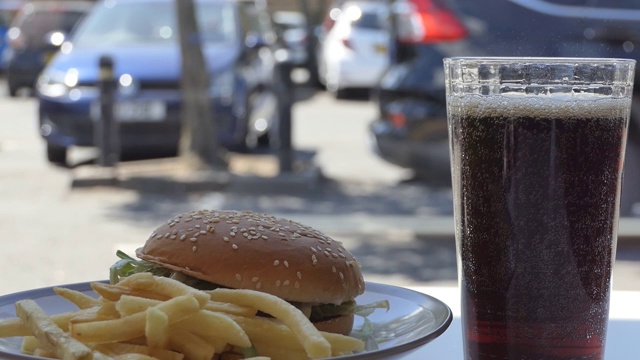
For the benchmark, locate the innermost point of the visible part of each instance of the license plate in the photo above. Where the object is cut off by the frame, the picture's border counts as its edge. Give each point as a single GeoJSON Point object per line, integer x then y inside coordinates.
{"type": "Point", "coordinates": [139, 111]}
{"type": "Point", "coordinates": [134, 111]}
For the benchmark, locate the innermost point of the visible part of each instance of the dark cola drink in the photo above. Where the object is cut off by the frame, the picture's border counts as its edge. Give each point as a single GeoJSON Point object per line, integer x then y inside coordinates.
{"type": "Point", "coordinates": [537, 183]}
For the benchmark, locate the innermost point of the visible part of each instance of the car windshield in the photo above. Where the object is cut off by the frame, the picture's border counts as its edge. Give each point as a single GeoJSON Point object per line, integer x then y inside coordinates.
{"type": "Point", "coordinates": [153, 22]}
{"type": "Point", "coordinates": [36, 24]}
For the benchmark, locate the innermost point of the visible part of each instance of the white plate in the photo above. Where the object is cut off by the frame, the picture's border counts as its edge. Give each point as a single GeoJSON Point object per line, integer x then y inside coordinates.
{"type": "Point", "coordinates": [413, 319]}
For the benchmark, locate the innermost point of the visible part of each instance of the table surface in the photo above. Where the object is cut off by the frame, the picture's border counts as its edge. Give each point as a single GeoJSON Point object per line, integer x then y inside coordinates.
{"type": "Point", "coordinates": [623, 334]}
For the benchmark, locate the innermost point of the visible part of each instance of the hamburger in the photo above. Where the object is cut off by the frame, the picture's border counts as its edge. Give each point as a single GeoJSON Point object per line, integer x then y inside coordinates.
{"type": "Point", "coordinates": [207, 249]}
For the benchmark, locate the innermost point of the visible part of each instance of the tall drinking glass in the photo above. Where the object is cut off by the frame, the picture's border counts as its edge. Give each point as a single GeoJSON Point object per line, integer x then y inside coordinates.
{"type": "Point", "coordinates": [537, 148]}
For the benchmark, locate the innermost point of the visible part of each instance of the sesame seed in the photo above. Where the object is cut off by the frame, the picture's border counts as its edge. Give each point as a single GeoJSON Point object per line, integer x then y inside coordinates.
{"type": "Point", "coordinates": [276, 263]}
{"type": "Point", "coordinates": [158, 237]}
{"type": "Point", "coordinates": [238, 277]}
{"type": "Point", "coordinates": [286, 264]}
{"type": "Point", "coordinates": [326, 253]}
{"type": "Point", "coordinates": [234, 246]}
{"type": "Point", "coordinates": [254, 279]}
{"type": "Point", "coordinates": [226, 239]}
{"type": "Point", "coordinates": [183, 237]}
{"type": "Point", "coordinates": [232, 234]}
{"type": "Point", "coordinates": [314, 250]}
{"type": "Point", "coordinates": [172, 237]}
{"type": "Point", "coordinates": [297, 285]}
{"type": "Point", "coordinates": [202, 232]}
{"type": "Point", "coordinates": [341, 275]}
{"type": "Point", "coordinates": [194, 249]}
{"type": "Point", "coordinates": [197, 226]}
{"type": "Point", "coordinates": [299, 275]}
{"type": "Point", "coordinates": [258, 285]}
{"type": "Point", "coordinates": [334, 255]}
{"type": "Point", "coordinates": [265, 237]}
{"type": "Point", "coordinates": [286, 283]}
{"type": "Point", "coordinates": [277, 283]}
{"type": "Point", "coordinates": [193, 239]}
{"type": "Point", "coordinates": [333, 269]}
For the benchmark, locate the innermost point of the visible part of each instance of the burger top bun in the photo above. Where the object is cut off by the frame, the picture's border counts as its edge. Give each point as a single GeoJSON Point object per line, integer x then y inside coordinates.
{"type": "Point", "coordinates": [247, 250]}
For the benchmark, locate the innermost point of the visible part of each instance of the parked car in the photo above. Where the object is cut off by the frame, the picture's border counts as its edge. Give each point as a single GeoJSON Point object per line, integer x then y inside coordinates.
{"type": "Point", "coordinates": [354, 51]}
{"type": "Point", "coordinates": [411, 130]}
{"type": "Point", "coordinates": [292, 28]}
{"type": "Point", "coordinates": [8, 11]}
{"type": "Point", "coordinates": [141, 38]}
{"type": "Point", "coordinates": [34, 36]}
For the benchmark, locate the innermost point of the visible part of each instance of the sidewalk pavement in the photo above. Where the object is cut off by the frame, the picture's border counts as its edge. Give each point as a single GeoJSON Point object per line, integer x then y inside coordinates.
{"type": "Point", "coordinates": [68, 228]}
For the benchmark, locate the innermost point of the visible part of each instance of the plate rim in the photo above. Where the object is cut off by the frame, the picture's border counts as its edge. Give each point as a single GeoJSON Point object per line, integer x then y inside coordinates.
{"type": "Point", "coordinates": [443, 320]}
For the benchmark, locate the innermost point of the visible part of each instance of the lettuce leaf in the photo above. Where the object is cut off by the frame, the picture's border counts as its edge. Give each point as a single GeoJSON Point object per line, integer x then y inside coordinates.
{"type": "Point", "coordinates": [128, 266]}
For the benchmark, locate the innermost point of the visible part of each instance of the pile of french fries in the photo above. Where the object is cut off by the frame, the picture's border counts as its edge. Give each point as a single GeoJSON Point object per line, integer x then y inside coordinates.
{"type": "Point", "coordinates": [149, 317]}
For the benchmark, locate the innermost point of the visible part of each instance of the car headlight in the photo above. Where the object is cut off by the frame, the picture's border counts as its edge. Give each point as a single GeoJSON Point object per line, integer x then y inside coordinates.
{"type": "Point", "coordinates": [221, 85]}
{"type": "Point", "coordinates": [59, 84]}
{"type": "Point", "coordinates": [52, 84]}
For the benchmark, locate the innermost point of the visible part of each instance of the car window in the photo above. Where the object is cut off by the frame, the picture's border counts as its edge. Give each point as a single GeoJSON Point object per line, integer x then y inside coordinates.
{"type": "Point", "coordinates": [368, 20]}
{"type": "Point", "coordinates": [34, 25]}
{"type": "Point", "coordinates": [138, 23]}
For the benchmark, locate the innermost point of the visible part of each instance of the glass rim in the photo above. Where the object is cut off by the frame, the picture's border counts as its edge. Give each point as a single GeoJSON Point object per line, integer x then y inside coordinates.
{"type": "Point", "coordinates": [534, 59]}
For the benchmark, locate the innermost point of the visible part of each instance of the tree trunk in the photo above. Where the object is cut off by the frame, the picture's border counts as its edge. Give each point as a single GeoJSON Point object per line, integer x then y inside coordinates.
{"type": "Point", "coordinates": [199, 134]}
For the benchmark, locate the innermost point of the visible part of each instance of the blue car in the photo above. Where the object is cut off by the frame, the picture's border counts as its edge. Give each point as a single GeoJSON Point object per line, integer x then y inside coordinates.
{"type": "Point", "coordinates": [141, 36]}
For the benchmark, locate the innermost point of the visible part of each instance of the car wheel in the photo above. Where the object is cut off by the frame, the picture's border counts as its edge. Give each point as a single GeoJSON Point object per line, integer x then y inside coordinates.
{"type": "Point", "coordinates": [57, 154]}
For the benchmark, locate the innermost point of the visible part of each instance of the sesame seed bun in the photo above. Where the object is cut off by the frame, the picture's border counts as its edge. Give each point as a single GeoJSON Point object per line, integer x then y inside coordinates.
{"type": "Point", "coordinates": [247, 250]}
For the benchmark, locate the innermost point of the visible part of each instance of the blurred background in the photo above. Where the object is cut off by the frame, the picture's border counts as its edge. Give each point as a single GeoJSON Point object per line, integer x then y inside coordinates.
{"type": "Point", "coordinates": [326, 112]}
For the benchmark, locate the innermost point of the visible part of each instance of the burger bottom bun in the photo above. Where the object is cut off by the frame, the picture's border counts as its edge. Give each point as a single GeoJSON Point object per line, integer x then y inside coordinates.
{"type": "Point", "coordinates": [342, 324]}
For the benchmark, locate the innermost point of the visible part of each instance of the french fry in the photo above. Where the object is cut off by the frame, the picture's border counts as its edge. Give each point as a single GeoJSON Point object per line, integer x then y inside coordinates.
{"type": "Point", "coordinates": [133, 326]}
{"type": "Point", "coordinates": [156, 328]}
{"type": "Point", "coordinates": [129, 305]}
{"type": "Point", "coordinates": [13, 327]}
{"type": "Point", "coordinates": [49, 334]}
{"type": "Point", "coordinates": [192, 346]}
{"type": "Point", "coordinates": [313, 342]}
{"type": "Point", "coordinates": [81, 300]}
{"type": "Point", "coordinates": [17, 327]}
{"type": "Point", "coordinates": [211, 326]}
{"type": "Point", "coordinates": [134, 357]}
{"type": "Point", "coordinates": [116, 349]}
{"type": "Point", "coordinates": [114, 292]}
{"type": "Point", "coordinates": [30, 344]}
{"type": "Point", "coordinates": [277, 352]}
{"type": "Point", "coordinates": [40, 352]}
{"type": "Point", "coordinates": [165, 286]}
{"type": "Point", "coordinates": [227, 308]}
{"type": "Point", "coordinates": [152, 317]}
{"type": "Point", "coordinates": [342, 344]}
